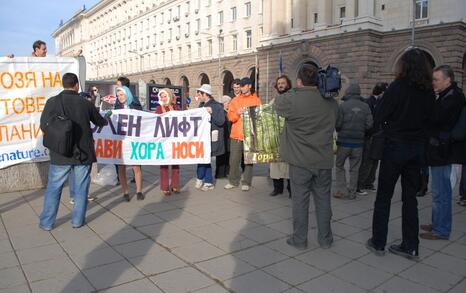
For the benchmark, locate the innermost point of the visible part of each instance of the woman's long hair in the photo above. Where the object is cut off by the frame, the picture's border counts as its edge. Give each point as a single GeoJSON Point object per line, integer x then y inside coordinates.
{"type": "Point", "coordinates": [414, 68]}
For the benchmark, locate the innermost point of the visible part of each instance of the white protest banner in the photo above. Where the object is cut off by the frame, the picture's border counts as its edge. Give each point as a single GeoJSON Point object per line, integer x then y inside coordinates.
{"type": "Point", "coordinates": [135, 137]}
{"type": "Point", "coordinates": [25, 85]}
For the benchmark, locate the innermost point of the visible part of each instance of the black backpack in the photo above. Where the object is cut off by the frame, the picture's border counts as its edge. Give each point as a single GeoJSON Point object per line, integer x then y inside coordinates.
{"type": "Point", "coordinates": [329, 82]}
{"type": "Point", "coordinates": [58, 132]}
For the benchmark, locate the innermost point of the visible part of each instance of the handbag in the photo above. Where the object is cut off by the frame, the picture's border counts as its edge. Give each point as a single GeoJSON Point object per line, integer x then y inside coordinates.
{"type": "Point", "coordinates": [58, 132]}
{"type": "Point", "coordinates": [377, 145]}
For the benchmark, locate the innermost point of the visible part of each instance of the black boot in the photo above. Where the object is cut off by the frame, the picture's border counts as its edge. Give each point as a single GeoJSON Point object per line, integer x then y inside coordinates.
{"type": "Point", "coordinates": [288, 187]}
{"type": "Point", "coordinates": [277, 187]}
{"type": "Point", "coordinates": [424, 183]}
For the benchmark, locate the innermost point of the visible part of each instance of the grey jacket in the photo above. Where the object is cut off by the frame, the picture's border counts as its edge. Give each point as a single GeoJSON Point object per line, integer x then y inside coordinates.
{"type": "Point", "coordinates": [307, 138]}
{"type": "Point", "coordinates": [354, 117]}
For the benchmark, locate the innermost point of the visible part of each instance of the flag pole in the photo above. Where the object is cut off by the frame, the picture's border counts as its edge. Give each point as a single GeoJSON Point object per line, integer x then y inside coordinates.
{"type": "Point", "coordinates": [267, 78]}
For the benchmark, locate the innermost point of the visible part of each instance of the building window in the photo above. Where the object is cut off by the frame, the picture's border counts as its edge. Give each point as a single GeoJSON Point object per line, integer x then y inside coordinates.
{"type": "Point", "coordinates": [316, 18]}
{"type": "Point", "coordinates": [188, 28]}
{"type": "Point", "coordinates": [188, 7]}
{"type": "Point", "coordinates": [209, 21]}
{"type": "Point", "coordinates": [199, 49]}
{"type": "Point", "coordinates": [189, 52]}
{"type": "Point", "coordinates": [208, 3]}
{"type": "Point", "coordinates": [198, 25]}
{"type": "Point", "coordinates": [178, 11]}
{"type": "Point", "coordinates": [248, 9]}
{"type": "Point", "coordinates": [248, 39]}
{"type": "Point", "coordinates": [233, 14]}
{"type": "Point", "coordinates": [342, 12]}
{"type": "Point", "coordinates": [170, 34]}
{"type": "Point", "coordinates": [209, 45]}
{"type": "Point", "coordinates": [220, 18]}
{"type": "Point", "coordinates": [221, 45]}
{"type": "Point", "coordinates": [235, 43]}
{"type": "Point", "coordinates": [179, 55]}
{"type": "Point", "coordinates": [421, 9]}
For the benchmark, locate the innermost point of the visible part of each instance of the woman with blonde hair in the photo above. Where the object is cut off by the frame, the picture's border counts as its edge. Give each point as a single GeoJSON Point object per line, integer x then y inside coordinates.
{"type": "Point", "coordinates": [167, 103]}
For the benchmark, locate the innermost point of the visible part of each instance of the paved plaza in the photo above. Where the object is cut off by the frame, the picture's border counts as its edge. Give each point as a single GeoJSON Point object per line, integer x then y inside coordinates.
{"type": "Point", "coordinates": [219, 241]}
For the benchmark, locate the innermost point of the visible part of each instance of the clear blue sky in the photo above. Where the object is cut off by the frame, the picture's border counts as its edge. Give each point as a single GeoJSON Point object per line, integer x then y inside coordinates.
{"type": "Point", "coordinates": [24, 21]}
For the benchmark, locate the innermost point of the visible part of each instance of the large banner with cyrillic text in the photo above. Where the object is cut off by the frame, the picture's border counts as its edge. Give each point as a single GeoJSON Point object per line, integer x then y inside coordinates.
{"type": "Point", "coordinates": [25, 85]}
{"type": "Point", "coordinates": [135, 137]}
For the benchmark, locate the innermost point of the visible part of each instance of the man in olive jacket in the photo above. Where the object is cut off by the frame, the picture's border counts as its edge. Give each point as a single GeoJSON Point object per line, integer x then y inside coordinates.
{"type": "Point", "coordinates": [78, 167]}
{"type": "Point", "coordinates": [306, 144]}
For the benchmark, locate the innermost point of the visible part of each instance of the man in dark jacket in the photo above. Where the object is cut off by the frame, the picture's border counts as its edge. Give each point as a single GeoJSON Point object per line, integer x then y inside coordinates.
{"type": "Point", "coordinates": [354, 120]}
{"type": "Point", "coordinates": [369, 166]}
{"type": "Point", "coordinates": [81, 112]}
{"type": "Point", "coordinates": [306, 144]}
{"type": "Point", "coordinates": [442, 152]}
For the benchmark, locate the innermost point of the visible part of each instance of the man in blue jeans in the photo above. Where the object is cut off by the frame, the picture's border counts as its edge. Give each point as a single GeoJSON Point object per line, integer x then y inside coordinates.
{"type": "Point", "coordinates": [442, 152]}
{"type": "Point", "coordinates": [77, 167]}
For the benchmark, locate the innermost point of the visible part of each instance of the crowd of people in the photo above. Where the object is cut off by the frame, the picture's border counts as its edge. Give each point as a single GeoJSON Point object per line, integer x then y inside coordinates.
{"type": "Point", "coordinates": [408, 127]}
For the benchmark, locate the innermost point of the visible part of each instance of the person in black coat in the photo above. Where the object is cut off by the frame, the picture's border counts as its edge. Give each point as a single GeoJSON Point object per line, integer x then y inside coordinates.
{"type": "Point", "coordinates": [126, 100]}
{"type": "Point", "coordinates": [442, 151]}
{"type": "Point", "coordinates": [403, 115]}
{"type": "Point", "coordinates": [204, 179]}
{"type": "Point", "coordinates": [76, 167]}
{"type": "Point", "coordinates": [222, 161]}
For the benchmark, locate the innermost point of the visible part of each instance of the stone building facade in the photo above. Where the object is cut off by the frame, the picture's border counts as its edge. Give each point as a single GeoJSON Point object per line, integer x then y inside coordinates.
{"type": "Point", "coordinates": [364, 38]}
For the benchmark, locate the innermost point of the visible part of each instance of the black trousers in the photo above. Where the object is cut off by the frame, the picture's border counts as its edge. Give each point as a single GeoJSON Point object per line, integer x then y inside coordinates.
{"type": "Point", "coordinates": [405, 160]}
{"type": "Point", "coordinates": [278, 185]}
{"type": "Point", "coordinates": [222, 165]}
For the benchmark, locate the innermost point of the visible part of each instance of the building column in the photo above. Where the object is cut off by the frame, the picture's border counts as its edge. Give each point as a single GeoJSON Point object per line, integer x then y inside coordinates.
{"type": "Point", "coordinates": [279, 17]}
{"type": "Point", "coordinates": [366, 8]}
{"type": "Point", "coordinates": [267, 18]}
{"type": "Point", "coordinates": [299, 9]}
{"type": "Point", "coordinates": [324, 13]}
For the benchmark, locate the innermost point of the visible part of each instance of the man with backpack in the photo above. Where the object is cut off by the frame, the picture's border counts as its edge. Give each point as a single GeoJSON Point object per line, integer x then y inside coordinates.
{"type": "Point", "coordinates": [71, 150]}
{"type": "Point", "coordinates": [306, 145]}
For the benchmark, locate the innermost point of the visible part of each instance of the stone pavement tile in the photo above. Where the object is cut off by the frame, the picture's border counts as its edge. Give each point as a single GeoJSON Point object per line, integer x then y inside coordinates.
{"type": "Point", "coordinates": [66, 232]}
{"type": "Point", "coordinates": [389, 263]}
{"type": "Point", "coordinates": [358, 221]}
{"type": "Point", "coordinates": [95, 258]}
{"type": "Point", "coordinates": [128, 211]}
{"type": "Point", "coordinates": [198, 252]}
{"type": "Point", "coordinates": [349, 248]}
{"type": "Point", "coordinates": [284, 226]}
{"type": "Point", "coordinates": [235, 245]}
{"type": "Point", "coordinates": [156, 230]}
{"type": "Point", "coordinates": [292, 271]}
{"type": "Point", "coordinates": [455, 250]}
{"type": "Point", "coordinates": [328, 283]}
{"type": "Point", "coordinates": [281, 246]}
{"type": "Point", "coordinates": [237, 224]}
{"type": "Point", "coordinates": [11, 277]}
{"type": "Point", "coordinates": [257, 282]}
{"type": "Point", "coordinates": [460, 288]}
{"type": "Point", "coordinates": [41, 253]}
{"type": "Point", "coordinates": [189, 221]}
{"type": "Point", "coordinates": [76, 283]}
{"type": "Point", "coordinates": [159, 207]}
{"type": "Point", "coordinates": [225, 267]}
{"type": "Point", "coordinates": [156, 263]}
{"type": "Point", "coordinates": [361, 275]}
{"type": "Point", "coordinates": [263, 218]}
{"type": "Point", "coordinates": [447, 263]}
{"type": "Point", "coordinates": [138, 248]}
{"type": "Point", "coordinates": [84, 245]}
{"type": "Point", "coordinates": [212, 289]}
{"type": "Point", "coordinates": [53, 268]}
{"type": "Point", "coordinates": [177, 239]}
{"type": "Point", "coordinates": [431, 277]}
{"type": "Point", "coordinates": [260, 256]}
{"type": "Point", "coordinates": [143, 220]}
{"type": "Point", "coordinates": [112, 274]}
{"type": "Point", "coordinates": [262, 234]}
{"type": "Point", "coordinates": [30, 240]}
{"type": "Point", "coordinates": [293, 290]}
{"type": "Point", "coordinates": [123, 236]}
{"type": "Point", "coordinates": [344, 230]}
{"type": "Point", "coordinates": [5, 246]}
{"type": "Point", "coordinates": [397, 284]}
{"type": "Point", "coordinates": [323, 259]}
{"type": "Point", "coordinates": [283, 212]}
{"type": "Point", "coordinates": [8, 260]}
{"type": "Point", "coordinates": [360, 237]}
{"type": "Point", "coordinates": [17, 289]}
{"type": "Point", "coordinates": [182, 280]}
{"type": "Point", "coordinates": [434, 244]}
{"type": "Point", "coordinates": [139, 286]}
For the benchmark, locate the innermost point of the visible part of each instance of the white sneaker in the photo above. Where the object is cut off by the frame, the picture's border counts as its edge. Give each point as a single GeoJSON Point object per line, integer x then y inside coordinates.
{"type": "Point", "coordinates": [245, 188]}
{"type": "Point", "coordinates": [230, 186]}
{"type": "Point", "coordinates": [207, 187]}
{"type": "Point", "coordinates": [199, 183]}
{"type": "Point", "coordinates": [71, 201]}
{"type": "Point", "coordinates": [91, 198]}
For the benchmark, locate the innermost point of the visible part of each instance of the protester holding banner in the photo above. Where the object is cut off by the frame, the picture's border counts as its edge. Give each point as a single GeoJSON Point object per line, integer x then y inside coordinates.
{"type": "Point", "coordinates": [125, 100]}
{"type": "Point", "coordinates": [204, 179]}
{"type": "Point", "coordinates": [167, 102]}
{"type": "Point", "coordinates": [238, 106]}
{"type": "Point", "coordinates": [221, 162]}
{"type": "Point", "coordinates": [280, 170]}
{"type": "Point", "coordinates": [76, 164]}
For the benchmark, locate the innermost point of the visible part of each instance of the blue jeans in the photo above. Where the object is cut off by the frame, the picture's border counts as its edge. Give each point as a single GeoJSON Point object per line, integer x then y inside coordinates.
{"type": "Point", "coordinates": [441, 200]}
{"type": "Point", "coordinates": [204, 172]}
{"type": "Point", "coordinates": [463, 182]}
{"type": "Point", "coordinates": [79, 176]}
